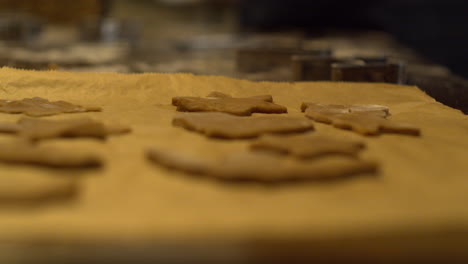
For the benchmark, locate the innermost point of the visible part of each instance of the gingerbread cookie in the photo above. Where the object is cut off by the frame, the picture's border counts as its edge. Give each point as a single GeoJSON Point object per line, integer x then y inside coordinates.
{"type": "Point", "coordinates": [260, 167]}
{"type": "Point", "coordinates": [363, 119]}
{"type": "Point", "coordinates": [219, 102]}
{"type": "Point", "coordinates": [322, 112]}
{"type": "Point", "coordinates": [220, 125]}
{"type": "Point", "coordinates": [219, 95]}
{"type": "Point", "coordinates": [42, 107]}
{"type": "Point", "coordinates": [24, 153]}
{"type": "Point", "coordinates": [176, 160]}
{"type": "Point", "coordinates": [307, 146]}
{"type": "Point", "coordinates": [35, 190]}
{"type": "Point", "coordinates": [9, 128]}
{"type": "Point", "coordinates": [37, 129]}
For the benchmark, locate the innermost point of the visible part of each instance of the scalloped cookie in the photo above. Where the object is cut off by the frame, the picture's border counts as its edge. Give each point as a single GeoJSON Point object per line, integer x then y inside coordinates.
{"type": "Point", "coordinates": [261, 167]}
{"type": "Point", "coordinates": [220, 125]}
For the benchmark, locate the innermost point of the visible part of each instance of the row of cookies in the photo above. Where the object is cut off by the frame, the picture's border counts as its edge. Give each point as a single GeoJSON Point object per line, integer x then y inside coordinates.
{"type": "Point", "coordinates": [288, 155]}
{"type": "Point", "coordinates": [26, 149]}
{"type": "Point", "coordinates": [363, 119]}
{"type": "Point", "coordinates": [31, 131]}
{"type": "Point", "coordinates": [273, 158]}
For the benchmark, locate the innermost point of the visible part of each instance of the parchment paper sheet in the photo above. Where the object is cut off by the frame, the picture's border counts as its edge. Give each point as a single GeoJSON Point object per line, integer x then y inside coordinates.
{"type": "Point", "coordinates": [416, 205]}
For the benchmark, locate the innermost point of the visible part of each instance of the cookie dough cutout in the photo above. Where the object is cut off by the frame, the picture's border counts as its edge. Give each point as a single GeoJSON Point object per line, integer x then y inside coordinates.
{"type": "Point", "coordinates": [221, 95]}
{"type": "Point", "coordinates": [9, 128]}
{"type": "Point", "coordinates": [220, 125]}
{"type": "Point", "coordinates": [323, 112]}
{"type": "Point", "coordinates": [220, 102]}
{"type": "Point", "coordinates": [37, 107]}
{"type": "Point", "coordinates": [363, 119]}
{"type": "Point", "coordinates": [266, 168]}
{"type": "Point", "coordinates": [31, 189]}
{"type": "Point", "coordinates": [189, 163]}
{"type": "Point", "coordinates": [38, 129]}
{"type": "Point", "coordinates": [23, 153]}
{"type": "Point", "coordinates": [308, 146]}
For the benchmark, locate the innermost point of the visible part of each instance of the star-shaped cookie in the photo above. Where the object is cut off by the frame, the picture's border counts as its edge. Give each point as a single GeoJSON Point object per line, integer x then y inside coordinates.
{"type": "Point", "coordinates": [219, 102]}
{"type": "Point", "coordinates": [42, 107]}
{"type": "Point", "coordinates": [363, 119]}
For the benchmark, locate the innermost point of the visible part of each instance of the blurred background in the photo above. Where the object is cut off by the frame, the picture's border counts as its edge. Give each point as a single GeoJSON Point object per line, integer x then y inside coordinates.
{"type": "Point", "coordinates": [415, 42]}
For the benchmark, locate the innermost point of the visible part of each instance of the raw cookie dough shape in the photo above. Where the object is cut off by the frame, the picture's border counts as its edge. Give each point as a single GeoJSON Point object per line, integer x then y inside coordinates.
{"type": "Point", "coordinates": [307, 146]}
{"type": "Point", "coordinates": [37, 129]}
{"type": "Point", "coordinates": [216, 94]}
{"type": "Point", "coordinates": [220, 102]}
{"type": "Point", "coordinates": [220, 125]}
{"type": "Point", "coordinates": [36, 190]}
{"type": "Point", "coordinates": [261, 167]}
{"type": "Point", "coordinates": [29, 154]}
{"type": "Point", "coordinates": [42, 107]}
{"type": "Point", "coordinates": [363, 119]}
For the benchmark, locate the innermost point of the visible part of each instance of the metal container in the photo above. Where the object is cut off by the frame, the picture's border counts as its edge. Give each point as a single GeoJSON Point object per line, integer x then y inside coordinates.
{"type": "Point", "coordinates": [376, 72]}
{"type": "Point", "coordinates": [317, 68]}
{"type": "Point", "coordinates": [268, 58]}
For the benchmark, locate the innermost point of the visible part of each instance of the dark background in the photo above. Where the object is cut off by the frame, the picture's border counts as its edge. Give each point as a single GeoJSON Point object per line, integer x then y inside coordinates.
{"type": "Point", "coordinates": [437, 29]}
